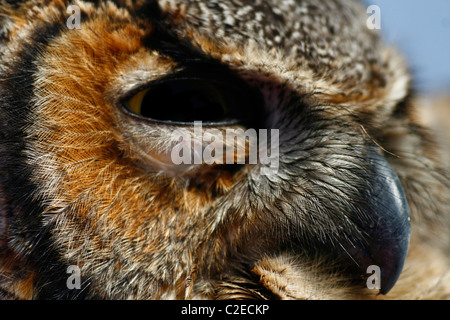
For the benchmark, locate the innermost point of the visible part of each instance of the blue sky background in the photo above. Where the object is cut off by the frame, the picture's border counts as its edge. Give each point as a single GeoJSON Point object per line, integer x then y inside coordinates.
{"type": "Point", "coordinates": [421, 29]}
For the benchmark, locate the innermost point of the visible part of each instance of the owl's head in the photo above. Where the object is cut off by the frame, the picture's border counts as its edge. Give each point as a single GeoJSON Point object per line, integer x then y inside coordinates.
{"type": "Point", "coordinates": [109, 110]}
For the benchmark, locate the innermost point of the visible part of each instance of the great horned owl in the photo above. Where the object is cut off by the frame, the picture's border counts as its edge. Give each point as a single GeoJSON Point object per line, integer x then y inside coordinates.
{"type": "Point", "coordinates": [90, 94]}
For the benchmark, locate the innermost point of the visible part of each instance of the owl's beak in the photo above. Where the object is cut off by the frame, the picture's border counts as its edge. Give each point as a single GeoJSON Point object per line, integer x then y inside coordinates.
{"type": "Point", "coordinates": [386, 224]}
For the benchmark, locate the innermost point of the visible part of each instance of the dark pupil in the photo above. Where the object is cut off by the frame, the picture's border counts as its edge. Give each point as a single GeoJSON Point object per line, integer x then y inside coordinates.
{"type": "Point", "coordinates": [182, 102]}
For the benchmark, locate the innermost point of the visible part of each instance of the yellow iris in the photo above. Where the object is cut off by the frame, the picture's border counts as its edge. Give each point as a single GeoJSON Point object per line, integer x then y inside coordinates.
{"type": "Point", "coordinates": [135, 103]}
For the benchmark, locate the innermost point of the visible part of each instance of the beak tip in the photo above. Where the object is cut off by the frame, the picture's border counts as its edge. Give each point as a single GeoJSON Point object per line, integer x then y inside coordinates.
{"type": "Point", "coordinates": [389, 232]}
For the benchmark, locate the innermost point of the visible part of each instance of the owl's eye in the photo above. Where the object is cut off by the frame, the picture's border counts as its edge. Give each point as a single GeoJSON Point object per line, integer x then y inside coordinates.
{"type": "Point", "coordinates": [188, 100]}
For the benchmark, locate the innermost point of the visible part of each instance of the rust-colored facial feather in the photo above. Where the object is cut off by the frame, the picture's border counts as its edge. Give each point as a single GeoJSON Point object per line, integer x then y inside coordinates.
{"type": "Point", "coordinates": [89, 181]}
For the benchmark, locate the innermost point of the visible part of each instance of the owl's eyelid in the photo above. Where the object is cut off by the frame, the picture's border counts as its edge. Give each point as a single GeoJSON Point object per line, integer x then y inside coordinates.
{"type": "Point", "coordinates": [198, 70]}
{"type": "Point", "coordinates": [225, 81]}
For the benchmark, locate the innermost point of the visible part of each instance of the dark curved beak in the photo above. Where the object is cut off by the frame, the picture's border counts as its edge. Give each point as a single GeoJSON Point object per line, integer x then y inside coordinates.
{"type": "Point", "coordinates": [386, 225]}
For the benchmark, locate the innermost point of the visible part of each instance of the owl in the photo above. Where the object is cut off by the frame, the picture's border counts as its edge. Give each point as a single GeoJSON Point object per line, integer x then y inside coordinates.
{"type": "Point", "coordinates": [101, 199]}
